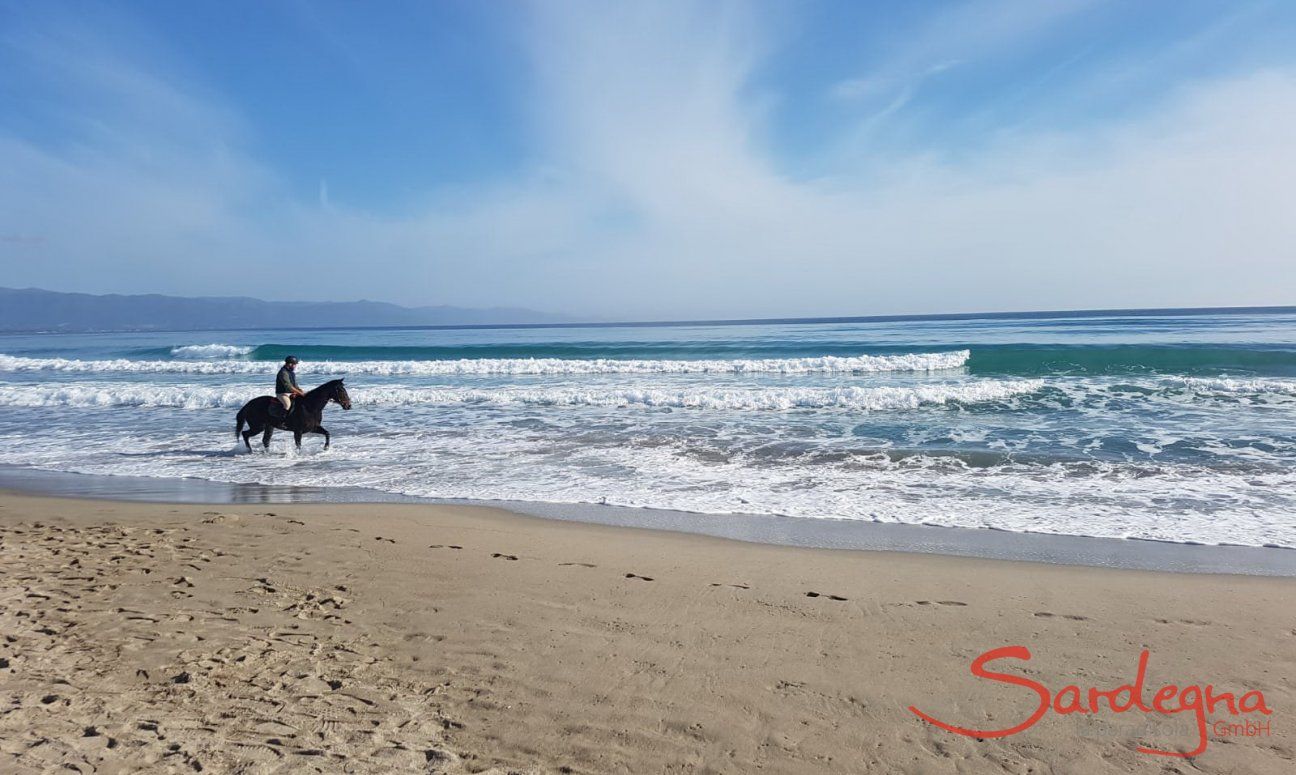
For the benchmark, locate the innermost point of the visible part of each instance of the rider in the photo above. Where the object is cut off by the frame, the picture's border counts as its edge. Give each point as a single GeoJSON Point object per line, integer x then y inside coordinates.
{"type": "Point", "coordinates": [286, 383]}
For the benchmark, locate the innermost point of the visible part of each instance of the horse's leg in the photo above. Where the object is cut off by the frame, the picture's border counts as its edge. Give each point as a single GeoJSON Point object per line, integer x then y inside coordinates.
{"type": "Point", "coordinates": [297, 438]}
{"type": "Point", "coordinates": [320, 430]}
{"type": "Point", "coordinates": [265, 437]}
{"type": "Point", "coordinates": [247, 434]}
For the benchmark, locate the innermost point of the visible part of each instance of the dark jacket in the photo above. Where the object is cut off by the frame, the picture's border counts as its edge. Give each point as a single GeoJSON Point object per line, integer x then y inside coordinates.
{"type": "Point", "coordinates": [286, 381]}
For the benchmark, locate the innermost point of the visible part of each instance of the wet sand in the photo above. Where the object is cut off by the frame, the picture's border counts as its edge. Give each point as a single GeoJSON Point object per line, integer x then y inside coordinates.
{"type": "Point", "coordinates": [376, 638]}
{"type": "Point", "coordinates": [757, 528]}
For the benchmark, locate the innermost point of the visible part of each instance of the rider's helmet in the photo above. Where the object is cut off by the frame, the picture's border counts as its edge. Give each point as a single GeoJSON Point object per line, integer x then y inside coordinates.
{"type": "Point", "coordinates": [291, 360]}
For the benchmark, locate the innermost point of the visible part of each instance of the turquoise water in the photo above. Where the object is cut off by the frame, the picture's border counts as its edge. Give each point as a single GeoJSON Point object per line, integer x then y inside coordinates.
{"type": "Point", "coordinates": [1178, 427]}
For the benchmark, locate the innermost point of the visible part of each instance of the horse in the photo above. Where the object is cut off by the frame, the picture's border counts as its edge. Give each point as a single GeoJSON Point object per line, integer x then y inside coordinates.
{"type": "Point", "coordinates": [306, 415]}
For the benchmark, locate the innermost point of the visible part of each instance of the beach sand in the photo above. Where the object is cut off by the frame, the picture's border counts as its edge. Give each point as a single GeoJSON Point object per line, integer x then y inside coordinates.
{"type": "Point", "coordinates": [376, 638]}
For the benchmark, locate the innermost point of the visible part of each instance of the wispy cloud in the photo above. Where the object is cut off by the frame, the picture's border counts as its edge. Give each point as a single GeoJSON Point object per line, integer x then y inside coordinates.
{"type": "Point", "coordinates": [654, 190]}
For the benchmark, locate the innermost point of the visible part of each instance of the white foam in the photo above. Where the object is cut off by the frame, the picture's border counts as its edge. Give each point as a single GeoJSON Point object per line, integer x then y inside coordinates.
{"type": "Point", "coordinates": [714, 398]}
{"type": "Point", "coordinates": [909, 362]}
{"type": "Point", "coordinates": [1235, 386]}
{"type": "Point", "coordinates": [111, 395]}
{"type": "Point", "coordinates": [211, 350]}
{"type": "Point", "coordinates": [529, 439]}
{"type": "Point", "coordinates": [1113, 499]}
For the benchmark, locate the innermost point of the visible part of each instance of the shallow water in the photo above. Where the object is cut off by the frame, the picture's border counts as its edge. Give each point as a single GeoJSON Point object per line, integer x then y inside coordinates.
{"type": "Point", "coordinates": [1175, 427]}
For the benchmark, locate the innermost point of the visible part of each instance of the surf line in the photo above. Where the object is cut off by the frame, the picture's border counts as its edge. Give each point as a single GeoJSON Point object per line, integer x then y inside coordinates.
{"type": "Point", "coordinates": [1169, 700]}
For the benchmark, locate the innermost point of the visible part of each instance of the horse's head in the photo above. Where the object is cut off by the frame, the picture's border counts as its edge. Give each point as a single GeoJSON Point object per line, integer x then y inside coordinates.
{"type": "Point", "coordinates": [340, 395]}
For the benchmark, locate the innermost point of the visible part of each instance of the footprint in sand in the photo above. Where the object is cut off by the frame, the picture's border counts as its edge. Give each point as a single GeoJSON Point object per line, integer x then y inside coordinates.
{"type": "Point", "coordinates": [735, 586]}
{"type": "Point", "coordinates": [946, 602]}
{"type": "Point", "coordinates": [830, 597]}
{"type": "Point", "coordinates": [217, 518]}
{"type": "Point", "coordinates": [1072, 617]}
{"type": "Point", "coordinates": [388, 540]}
{"type": "Point", "coordinates": [500, 556]}
{"type": "Point", "coordinates": [444, 546]}
{"type": "Point", "coordinates": [637, 576]}
{"type": "Point", "coordinates": [422, 637]}
{"type": "Point", "coordinates": [579, 564]}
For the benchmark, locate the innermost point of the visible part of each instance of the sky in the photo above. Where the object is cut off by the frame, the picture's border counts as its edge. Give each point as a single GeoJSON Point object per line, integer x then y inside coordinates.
{"type": "Point", "coordinates": [658, 160]}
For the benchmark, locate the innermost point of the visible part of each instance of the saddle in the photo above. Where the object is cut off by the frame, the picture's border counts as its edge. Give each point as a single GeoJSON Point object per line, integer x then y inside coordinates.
{"type": "Point", "coordinates": [278, 414]}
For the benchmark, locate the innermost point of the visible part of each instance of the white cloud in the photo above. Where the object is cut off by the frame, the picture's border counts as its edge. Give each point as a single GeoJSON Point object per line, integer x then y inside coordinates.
{"type": "Point", "coordinates": [654, 196]}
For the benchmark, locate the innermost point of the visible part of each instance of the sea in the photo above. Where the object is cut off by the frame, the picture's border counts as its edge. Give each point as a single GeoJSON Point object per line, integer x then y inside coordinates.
{"type": "Point", "coordinates": [1169, 425]}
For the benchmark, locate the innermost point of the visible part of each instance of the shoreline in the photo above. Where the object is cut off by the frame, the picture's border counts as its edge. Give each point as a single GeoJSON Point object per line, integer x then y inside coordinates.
{"type": "Point", "coordinates": [1047, 548]}
{"type": "Point", "coordinates": [413, 637]}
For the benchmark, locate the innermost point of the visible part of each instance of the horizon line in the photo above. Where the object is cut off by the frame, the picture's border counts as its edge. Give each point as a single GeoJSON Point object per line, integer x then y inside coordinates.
{"type": "Point", "coordinates": [983, 315]}
{"type": "Point", "coordinates": [1133, 311]}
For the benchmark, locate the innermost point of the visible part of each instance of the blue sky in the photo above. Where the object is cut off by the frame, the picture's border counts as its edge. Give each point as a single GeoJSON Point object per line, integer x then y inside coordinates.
{"type": "Point", "coordinates": [666, 159]}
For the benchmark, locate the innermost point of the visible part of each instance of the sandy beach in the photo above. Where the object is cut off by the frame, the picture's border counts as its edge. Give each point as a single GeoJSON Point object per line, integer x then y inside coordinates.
{"type": "Point", "coordinates": [376, 638]}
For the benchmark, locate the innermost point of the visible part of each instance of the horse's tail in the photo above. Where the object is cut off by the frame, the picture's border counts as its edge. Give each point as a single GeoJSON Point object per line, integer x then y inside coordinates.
{"type": "Point", "coordinates": [238, 429]}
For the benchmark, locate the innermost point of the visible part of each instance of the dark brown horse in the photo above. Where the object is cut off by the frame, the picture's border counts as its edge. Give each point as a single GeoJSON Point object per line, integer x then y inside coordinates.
{"type": "Point", "coordinates": [306, 415]}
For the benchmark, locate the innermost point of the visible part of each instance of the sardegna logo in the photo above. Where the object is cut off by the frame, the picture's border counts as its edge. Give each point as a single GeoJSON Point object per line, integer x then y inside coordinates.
{"type": "Point", "coordinates": [1169, 700]}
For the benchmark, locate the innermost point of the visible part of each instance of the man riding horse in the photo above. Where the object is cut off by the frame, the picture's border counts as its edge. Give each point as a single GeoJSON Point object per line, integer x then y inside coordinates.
{"type": "Point", "coordinates": [286, 385]}
{"type": "Point", "coordinates": [290, 408]}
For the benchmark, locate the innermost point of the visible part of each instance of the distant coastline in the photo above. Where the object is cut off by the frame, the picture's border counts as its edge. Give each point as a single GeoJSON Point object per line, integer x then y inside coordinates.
{"type": "Point", "coordinates": [39, 311]}
{"type": "Point", "coordinates": [34, 310]}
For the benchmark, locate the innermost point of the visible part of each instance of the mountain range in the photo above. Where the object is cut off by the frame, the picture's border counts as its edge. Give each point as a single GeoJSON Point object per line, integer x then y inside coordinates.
{"type": "Point", "coordinates": [36, 310]}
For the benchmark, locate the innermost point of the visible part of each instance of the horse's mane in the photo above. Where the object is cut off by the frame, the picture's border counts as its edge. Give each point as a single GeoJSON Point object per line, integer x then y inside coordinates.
{"type": "Point", "coordinates": [327, 385]}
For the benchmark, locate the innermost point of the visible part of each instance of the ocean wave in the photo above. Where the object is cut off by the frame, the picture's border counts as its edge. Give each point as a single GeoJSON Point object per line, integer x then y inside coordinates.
{"type": "Point", "coordinates": [1020, 360]}
{"type": "Point", "coordinates": [910, 362]}
{"type": "Point", "coordinates": [73, 395]}
{"type": "Point", "coordinates": [211, 350]}
{"type": "Point", "coordinates": [742, 399]}
{"type": "Point", "coordinates": [749, 399]}
{"type": "Point", "coordinates": [1229, 386]}
{"type": "Point", "coordinates": [1114, 499]}
{"type": "Point", "coordinates": [1083, 392]}
{"type": "Point", "coordinates": [1202, 360]}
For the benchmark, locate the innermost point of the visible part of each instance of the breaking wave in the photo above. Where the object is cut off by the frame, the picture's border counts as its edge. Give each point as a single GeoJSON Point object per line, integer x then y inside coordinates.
{"type": "Point", "coordinates": [910, 362]}
{"type": "Point", "coordinates": [1226, 386]}
{"type": "Point", "coordinates": [749, 399]}
{"type": "Point", "coordinates": [780, 398]}
{"type": "Point", "coordinates": [211, 351]}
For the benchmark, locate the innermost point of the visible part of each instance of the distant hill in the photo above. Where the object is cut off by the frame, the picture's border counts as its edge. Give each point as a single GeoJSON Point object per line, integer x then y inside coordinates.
{"type": "Point", "coordinates": [33, 309]}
